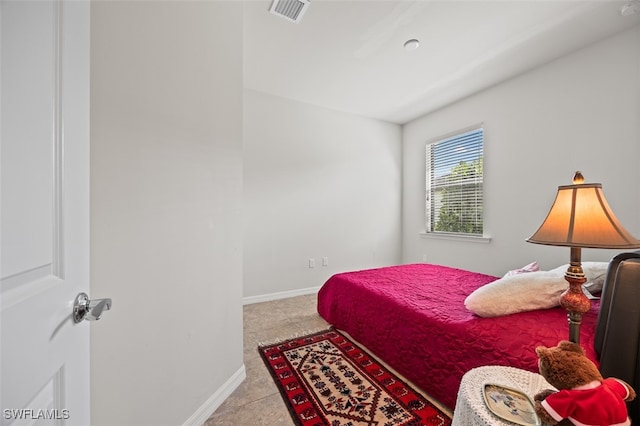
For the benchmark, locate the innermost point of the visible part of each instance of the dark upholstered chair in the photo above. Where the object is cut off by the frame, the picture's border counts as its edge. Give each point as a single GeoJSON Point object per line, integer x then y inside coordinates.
{"type": "Point", "coordinates": [617, 339]}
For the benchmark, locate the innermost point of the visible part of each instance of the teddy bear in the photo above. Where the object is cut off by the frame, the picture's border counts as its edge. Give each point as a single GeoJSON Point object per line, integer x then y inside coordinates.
{"type": "Point", "coordinates": [583, 397]}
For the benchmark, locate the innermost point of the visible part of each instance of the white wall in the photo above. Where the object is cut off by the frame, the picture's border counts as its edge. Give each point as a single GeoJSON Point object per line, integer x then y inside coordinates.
{"type": "Point", "coordinates": [166, 185]}
{"type": "Point", "coordinates": [317, 183]}
{"type": "Point", "coordinates": [581, 112]}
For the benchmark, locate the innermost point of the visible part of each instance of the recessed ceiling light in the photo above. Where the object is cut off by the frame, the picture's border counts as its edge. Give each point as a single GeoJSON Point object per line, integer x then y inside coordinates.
{"type": "Point", "coordinates": [412, 44]}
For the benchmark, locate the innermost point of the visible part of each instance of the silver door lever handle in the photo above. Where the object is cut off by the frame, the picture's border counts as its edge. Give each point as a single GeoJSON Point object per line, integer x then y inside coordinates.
{"type": "Point", "coordinates": [91, 310]}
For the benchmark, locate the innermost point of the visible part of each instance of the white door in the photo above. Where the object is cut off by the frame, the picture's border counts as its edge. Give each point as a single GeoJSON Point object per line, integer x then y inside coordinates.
{"type": "Point", "coordinates": [44, 212]}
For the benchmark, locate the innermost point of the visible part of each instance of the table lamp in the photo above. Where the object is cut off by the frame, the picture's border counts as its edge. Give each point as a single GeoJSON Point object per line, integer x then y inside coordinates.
{"type": "Point", "coordinates": [580, 217]}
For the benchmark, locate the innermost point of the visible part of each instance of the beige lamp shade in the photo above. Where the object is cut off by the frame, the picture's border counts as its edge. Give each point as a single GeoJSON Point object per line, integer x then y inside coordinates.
{"type": "Point", "coordinates": [581, 217]}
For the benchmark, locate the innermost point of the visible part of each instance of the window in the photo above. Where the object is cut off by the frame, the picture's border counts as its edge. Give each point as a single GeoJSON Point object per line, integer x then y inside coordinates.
{"type": "Point", "coordinates": [454, 184]}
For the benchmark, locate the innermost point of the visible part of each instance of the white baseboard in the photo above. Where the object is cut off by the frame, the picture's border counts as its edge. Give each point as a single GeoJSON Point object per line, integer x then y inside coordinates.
{"type": "Point", "coordinates": [210, 405]}
{"type": "Point", "coordinates": [280, 295]}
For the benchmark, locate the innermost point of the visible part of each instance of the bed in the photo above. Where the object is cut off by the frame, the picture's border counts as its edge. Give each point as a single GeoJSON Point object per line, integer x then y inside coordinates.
{"type": "Point", "coordinates": [413, 317]}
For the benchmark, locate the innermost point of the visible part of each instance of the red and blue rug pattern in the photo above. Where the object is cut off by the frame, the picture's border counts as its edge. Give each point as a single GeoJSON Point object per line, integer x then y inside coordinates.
{"type": "Point", "coordinates": [326, 379]}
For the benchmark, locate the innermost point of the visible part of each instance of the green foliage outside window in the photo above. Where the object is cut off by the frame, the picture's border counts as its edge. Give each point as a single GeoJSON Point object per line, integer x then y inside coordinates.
{"type": "Point", "coordinates": [460, 211]}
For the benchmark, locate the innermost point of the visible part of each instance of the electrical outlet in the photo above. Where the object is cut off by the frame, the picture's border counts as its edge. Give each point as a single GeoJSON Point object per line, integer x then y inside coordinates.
{"type": "Point", "coordinates": [424, 258]}
{"type": "Point", "coordinates": [325, 261]}
{"type": "Point", "coordinates": [312, 263]}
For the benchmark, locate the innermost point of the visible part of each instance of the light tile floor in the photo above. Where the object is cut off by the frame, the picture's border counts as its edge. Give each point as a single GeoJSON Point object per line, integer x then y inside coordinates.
{"type": "Point", "coordinates": [257, 401]}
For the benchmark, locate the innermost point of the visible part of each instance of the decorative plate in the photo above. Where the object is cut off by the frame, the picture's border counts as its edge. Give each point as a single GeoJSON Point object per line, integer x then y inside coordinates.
{"type": "Point", "coordinates": [510, 404]}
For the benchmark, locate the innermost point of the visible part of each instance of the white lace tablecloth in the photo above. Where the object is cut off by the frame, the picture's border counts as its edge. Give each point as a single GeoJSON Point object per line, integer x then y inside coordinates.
{"type": "Point", "coordinates": [470, 406]}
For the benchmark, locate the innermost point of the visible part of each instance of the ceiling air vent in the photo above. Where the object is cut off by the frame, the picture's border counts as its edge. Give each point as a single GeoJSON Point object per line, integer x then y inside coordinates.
{"type": "Point", "coordinates": [290, 9]}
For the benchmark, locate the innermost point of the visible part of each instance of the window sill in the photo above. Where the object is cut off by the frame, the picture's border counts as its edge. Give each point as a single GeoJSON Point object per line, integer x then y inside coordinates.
{"type": "Point", "coordinates": [455, 237]}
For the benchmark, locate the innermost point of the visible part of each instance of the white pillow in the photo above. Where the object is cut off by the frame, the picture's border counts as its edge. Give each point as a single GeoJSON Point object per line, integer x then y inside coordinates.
{"type": "Point", "coordinates": [518, 293]}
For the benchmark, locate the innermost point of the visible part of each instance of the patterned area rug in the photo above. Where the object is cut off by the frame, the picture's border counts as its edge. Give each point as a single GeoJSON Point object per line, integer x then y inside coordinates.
{"type": "Point", "coordinates": [326, 379]}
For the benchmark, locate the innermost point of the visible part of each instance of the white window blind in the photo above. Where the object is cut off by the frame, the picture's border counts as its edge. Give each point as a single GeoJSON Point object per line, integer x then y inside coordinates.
{"type": "Point", "coordinates": [454, 184]}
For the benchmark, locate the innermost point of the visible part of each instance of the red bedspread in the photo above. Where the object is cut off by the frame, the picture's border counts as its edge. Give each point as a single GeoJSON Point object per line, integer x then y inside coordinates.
{"type": "Point", "coordinates": [413, 317]}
